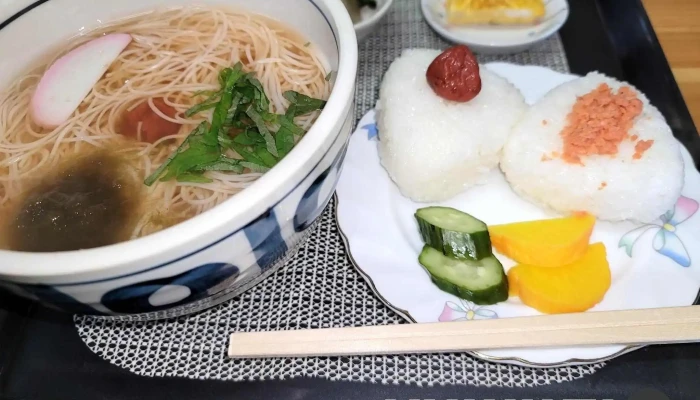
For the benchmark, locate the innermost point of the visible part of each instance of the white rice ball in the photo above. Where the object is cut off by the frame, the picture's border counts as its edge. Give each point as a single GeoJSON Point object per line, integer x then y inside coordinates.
{"type": "Point", "coordinates": [432, 148]}
{"type": "Point", "coordinates": [612, 188]}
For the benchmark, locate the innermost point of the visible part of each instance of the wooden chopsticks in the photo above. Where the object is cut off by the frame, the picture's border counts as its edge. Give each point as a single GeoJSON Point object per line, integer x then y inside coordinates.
{"type": "Point", "coordinates": [631, 327]}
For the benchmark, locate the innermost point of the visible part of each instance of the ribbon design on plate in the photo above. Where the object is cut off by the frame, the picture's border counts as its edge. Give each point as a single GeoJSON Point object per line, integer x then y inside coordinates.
{"type": "Point", "coordinates": [666, 242]}
{"type": "Point", "coordinates": [465, 311]}
{"type": "Point", "coordinates": [372, 130]}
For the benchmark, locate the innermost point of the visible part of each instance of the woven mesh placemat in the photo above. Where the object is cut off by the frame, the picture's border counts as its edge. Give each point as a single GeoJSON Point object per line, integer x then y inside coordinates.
{"type": "Point", "coordinates": [319, 287]}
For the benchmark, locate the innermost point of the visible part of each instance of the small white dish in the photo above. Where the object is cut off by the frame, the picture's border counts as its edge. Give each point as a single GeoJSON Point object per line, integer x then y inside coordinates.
{"type": "Point", "coordinates": [371, 19]}
{"type": "Point", "coordinates": [497, 39]}
{"type": "Point", "coordinates": [652, 265]}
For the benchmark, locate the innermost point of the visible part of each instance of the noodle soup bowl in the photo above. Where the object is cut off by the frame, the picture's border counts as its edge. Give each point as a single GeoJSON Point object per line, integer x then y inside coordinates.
{"type": "Point", "coordinates": [221, 252]}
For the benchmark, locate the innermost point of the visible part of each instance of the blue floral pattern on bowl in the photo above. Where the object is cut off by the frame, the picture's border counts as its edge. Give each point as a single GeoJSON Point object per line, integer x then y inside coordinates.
{"type": "Point", "coordinates": [162, 293]}
{"type": "Point", "coordinates": [266, 239]}
{"type": "Point", "coordinates": [309, 207]}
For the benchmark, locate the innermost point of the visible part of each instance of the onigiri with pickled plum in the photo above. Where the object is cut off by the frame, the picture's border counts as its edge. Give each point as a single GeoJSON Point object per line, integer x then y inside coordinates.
{"type": "Point", "coordinates": [435, 148]}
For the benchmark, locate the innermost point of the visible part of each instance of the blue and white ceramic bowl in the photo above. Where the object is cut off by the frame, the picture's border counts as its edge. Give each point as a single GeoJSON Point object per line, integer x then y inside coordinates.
{"type": "Point", "coordinates": [222, 252]}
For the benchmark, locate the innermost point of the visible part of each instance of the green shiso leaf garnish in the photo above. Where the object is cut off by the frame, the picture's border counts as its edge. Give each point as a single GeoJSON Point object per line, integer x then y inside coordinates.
{"type": "Point", "coordinates": [241, 122]}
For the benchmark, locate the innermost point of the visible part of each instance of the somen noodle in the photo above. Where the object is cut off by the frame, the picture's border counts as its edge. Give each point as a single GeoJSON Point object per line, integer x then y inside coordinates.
{"type": "Point", "coordinates": [174, 54]}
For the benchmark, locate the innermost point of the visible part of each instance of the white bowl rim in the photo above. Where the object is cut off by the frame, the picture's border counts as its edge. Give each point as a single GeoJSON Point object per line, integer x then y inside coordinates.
{"type": "Point", "coordinates": [376, 16]}
{"type": "Point", "coordinates": [465, 40]}
{"type": "Point", "coordinates": [25, 265]}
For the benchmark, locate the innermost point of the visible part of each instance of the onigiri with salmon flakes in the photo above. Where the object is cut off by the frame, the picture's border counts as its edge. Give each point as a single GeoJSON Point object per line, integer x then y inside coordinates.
{"type": "Point", "coordinates": [597, 145]}
{"type": "Point", "coordinates": [434, 148]}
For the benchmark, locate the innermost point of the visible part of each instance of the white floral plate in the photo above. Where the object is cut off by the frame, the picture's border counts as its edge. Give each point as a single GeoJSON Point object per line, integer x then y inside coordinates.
{"type": "Point", "coordinates": [652, 265]}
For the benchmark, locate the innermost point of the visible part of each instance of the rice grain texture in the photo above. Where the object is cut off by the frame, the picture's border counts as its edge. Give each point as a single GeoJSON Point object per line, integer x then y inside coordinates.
{"type": "Point", "coordinates": [432, 148]}
{"type": "Point", "coordinates": [613, 188]}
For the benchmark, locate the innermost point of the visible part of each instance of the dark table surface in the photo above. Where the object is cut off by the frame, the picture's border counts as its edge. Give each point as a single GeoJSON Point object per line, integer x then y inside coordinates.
{"type": "Point", "coordinates": [42, 357]}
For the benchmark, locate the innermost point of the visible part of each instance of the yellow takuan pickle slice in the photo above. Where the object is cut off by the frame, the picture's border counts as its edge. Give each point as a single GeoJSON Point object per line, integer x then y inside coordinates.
{"type": "Point", "coordinates": [572, 288]}
{"type": "Point", "coordinates": [545, 243]}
